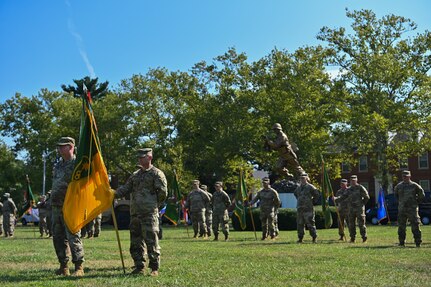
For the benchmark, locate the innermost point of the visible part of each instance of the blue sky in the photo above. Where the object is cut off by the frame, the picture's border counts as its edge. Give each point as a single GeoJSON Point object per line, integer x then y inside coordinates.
{"type": "Point", "coordinates": [49, 43]}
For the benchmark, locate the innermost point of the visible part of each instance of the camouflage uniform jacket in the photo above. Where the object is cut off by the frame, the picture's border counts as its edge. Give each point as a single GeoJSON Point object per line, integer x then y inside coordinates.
{"type": "Point", "coordinates": [408, 194]}
{"type": "Point", "coordinates": [220, 202]}
{"type": "Point", "coordinates": [341, 199]}
{"type": "Point", "coordinates": [306, 195]}
{"type": "Point", "coordinates": [357, 196]}
{"type": "Point", "coordinates": [197, 200]}
{"type": "Point", "coordinates": [148, 190]}
{"type": "Point", "coordinates": [61, 177]}
{"type": "Point", "coordinates": [269, 200]}
{"type": "Point", "coordinates": [43, 211]}
{"type": "Point", "coordinates": [9, 207]}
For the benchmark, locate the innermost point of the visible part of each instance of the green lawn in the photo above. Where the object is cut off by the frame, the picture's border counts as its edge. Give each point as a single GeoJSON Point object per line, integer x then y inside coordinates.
{"type": "Point", "coordinates": [27, 260]}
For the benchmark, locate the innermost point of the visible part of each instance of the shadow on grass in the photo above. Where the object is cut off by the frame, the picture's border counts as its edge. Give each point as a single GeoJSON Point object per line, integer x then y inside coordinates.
{"type": "Point", "coordinates": [42, 275]}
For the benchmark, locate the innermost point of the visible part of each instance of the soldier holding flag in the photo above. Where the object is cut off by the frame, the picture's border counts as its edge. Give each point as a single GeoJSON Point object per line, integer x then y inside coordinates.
{"type": "Point", "coordinates": [62, 237]}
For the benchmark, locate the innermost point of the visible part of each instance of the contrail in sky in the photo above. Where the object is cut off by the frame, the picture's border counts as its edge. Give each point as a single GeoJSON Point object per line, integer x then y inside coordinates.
{"type": "Point", "coordinates": [80, 43]}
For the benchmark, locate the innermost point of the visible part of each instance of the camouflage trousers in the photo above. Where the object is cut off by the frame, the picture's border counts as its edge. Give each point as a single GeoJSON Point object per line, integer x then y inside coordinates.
{"type": "Point", "coordinates": [65, 243]}
{"type": "Point", "coordinates": [223, 220]}
{"type": "Point", "coordinates": [343, 221]}
{"type": "Point", "coordinates": [97, 225]}
{"type": "Point", "coordinates": [144, 234]}
{"type": "Point", "coordinates": [43, 226]}
{"type": "Point", "coordinates": [413, 216]}
{"type": "Point", "coordinates": [305, 218]}
{"type": "Point", "coordinates": [209, 221]}
{"type": "Point", "coordinates": [267, 221]}
{"type": "Point", "coordinates": [8, 224]}
{"type": "Point", "coordinates": [357, 214]}
{"type": "Point", "coordinates": [49, 222]}
{"type": "Point", "coordinates": [198, 222]}
{"type": "Point", "coordinates": [88, 230]}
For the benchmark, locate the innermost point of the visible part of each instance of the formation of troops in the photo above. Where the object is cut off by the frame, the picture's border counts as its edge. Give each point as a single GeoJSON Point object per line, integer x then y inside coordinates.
{"type": "Point", "coordinates": [147, 188]}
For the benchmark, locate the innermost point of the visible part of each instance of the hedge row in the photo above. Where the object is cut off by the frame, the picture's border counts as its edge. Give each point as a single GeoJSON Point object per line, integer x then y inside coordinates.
{"type": "Point", "coordinates": [286, 219]}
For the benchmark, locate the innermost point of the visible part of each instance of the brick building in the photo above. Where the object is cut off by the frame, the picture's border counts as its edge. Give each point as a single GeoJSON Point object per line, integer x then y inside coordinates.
{"type": "Point", "coordinates": [365, 170]}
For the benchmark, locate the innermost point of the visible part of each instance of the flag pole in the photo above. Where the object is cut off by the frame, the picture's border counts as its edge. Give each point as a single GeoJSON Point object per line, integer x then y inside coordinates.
{"type": "Point", "coordinates": [252, 221]}
{"type": "Point", "coordinates": [114, 219]}
{"type": "Point", "coordinates": [386, 206]}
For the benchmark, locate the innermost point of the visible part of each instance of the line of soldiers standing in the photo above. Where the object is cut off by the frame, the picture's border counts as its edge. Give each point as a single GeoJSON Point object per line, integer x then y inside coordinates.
{"type": "Point", "coordinates": [208, 210]}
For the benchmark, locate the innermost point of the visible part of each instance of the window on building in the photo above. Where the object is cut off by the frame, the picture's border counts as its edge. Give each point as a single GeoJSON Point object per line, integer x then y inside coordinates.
{"type": "Point", "coordinates": [404, 163]}
{"type": "Point", "coordinates": [363, 163]}
{"type": "Point", "coordinates": [345, 167]}
{"type": "Point", "coordinates": [425, 184]}
{"type": "Point", "coordinates": [423, 161]}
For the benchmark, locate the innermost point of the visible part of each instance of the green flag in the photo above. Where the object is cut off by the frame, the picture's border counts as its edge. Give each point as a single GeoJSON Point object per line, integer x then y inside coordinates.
{"type": "Point", "coordinates": [240, 197]}
{"type": "Point", "coordinates": [29, 199]}
{"type": "Point", "coordinates": [326, 194]}
{"type": "Point", "coordinates": [171, 212]}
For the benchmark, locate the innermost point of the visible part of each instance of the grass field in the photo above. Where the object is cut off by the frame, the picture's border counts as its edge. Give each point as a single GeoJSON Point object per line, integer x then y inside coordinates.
{"type": "Point", "coordinates": [27, 260]}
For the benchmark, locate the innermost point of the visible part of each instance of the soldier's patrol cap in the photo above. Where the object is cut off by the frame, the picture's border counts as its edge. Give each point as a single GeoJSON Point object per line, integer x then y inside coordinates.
{"type": "Point", "coordinates": [406, 173]}
{"type": "Point", "coordinates": [66, 141]}
{"type": "Point", "coordinates": [265, 179]}
{"type": "Point", "coordinates": [6, 195]}
{"type": "Point", "coordinates": [276, 126]}
{"type": "Point", "coordinates": [304, 174]}
{"type": "Point", "coordinates": [353, 177]}
{"type": "Point", "coordinates": [344, 180]}
{"type": "Point", "coordinates": [143, 151]}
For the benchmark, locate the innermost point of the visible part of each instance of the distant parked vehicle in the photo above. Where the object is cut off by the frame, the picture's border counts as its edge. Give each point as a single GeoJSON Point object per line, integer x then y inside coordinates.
{"type": "Point", "coordinates": [392, 209]}
{"type": "Point", "coordinates": [31, 216]}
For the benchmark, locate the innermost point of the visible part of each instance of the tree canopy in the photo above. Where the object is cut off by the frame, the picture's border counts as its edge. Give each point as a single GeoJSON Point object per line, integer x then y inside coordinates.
{"type": "Point", "coordinates": [208, 123]}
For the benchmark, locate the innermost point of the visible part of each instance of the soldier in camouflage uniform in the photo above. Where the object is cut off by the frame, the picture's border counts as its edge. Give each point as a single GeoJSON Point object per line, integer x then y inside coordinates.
{"type": "Point", "coordinates": [269, 200]}
{"type": "Point", "coordinates": [1, 218]}
{"type": "Point", "coordinates": [43, 214]}
{"type": "Point", "coordinates": [287, 157]}
{"type": "Point", "coordinates": [97, 225]}
{"type": "Point", "coordinates": [220, 203]}
{"type": "Point", "coordinates": [306, 195]}
{"type": "Point", "coordinates": [196, 202]}
{"type": "Point", "coordinates": [9, 213]}
{"type": "Point", "coordinates": [148, 190]}
{"type": "Point", "coordinates": [343, 208]}
{"type": "Point", "coordinates": [208, 211]}
{"type": "Point", "coordinates": [409, 194]}
{"type": "Point", "coordinates": [63, 239]}
{"type": "Point", "coordinates": [357, 196]}
{"type": "Point", "coordinates": [49, 213]}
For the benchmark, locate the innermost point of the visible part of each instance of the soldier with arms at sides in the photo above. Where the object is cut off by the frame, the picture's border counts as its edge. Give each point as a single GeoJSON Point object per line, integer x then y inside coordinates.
{"type": "Point", "coordinates": [196, 202]}
{"type": "Point", "coordinates": [220, 203]}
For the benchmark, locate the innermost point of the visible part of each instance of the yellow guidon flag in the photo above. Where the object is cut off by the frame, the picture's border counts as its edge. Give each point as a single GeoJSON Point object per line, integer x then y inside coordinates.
{"type": "Point", "coordinates": [88, 193]}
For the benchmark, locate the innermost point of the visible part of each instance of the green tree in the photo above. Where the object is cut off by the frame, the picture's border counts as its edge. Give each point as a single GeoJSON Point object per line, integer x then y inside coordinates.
{"type": "Point", "coordinates": [386, 78]}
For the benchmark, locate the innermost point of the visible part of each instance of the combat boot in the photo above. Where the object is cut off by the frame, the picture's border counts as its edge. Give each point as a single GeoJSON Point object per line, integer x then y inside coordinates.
{"type": "Point", "coordinates": [154, 273]}
{"type": "Point", "coordinates": [418, 244]}
{"type": "Point", "coordinates": [215, 237]}
{"type": "Point", "coordinates": [352, 239]}
{"type": "Point", "coordinates": [63, 270]}
{"type": "Point", "coordinates": [314, 239]}
{"type": "Point", "coordinates": [226, 237]}
{"type": "Point", "coordinates": [138, 270]}
{"type": "Point", "coordinates": [364, 239]}
{"type": "Point", "coordinates": [79, 270]}
{"type": "Point", "coordinates": [402, 244]}
{"type": "Point", "coordinates": [299, 240]}
{"type": "Point", "coordinates": [341, 238]}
